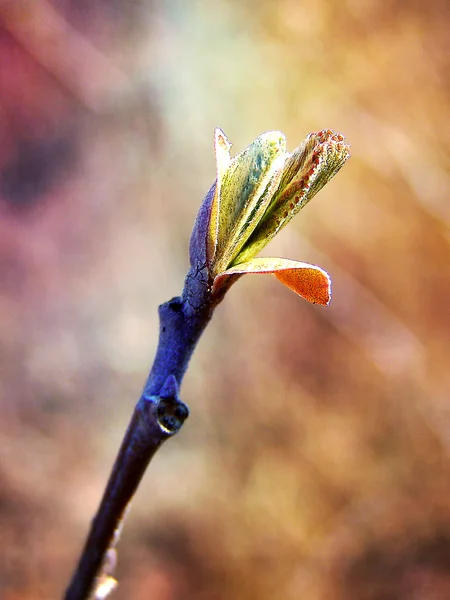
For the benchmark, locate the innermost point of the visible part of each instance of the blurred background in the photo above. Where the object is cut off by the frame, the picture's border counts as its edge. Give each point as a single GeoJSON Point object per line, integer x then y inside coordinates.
{"type": "Point", "coordinates": [315, 463]}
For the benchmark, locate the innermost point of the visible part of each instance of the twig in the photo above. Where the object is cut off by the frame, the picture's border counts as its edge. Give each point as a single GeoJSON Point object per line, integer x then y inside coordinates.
{"type": "Point", "coordinates": [254, 196]}
{"type": "Point", "coordinates": [158, 415]}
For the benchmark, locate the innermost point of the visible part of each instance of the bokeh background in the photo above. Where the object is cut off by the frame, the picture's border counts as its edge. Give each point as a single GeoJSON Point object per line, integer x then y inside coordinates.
{"type": "Point", "coordinates": [316, 460]}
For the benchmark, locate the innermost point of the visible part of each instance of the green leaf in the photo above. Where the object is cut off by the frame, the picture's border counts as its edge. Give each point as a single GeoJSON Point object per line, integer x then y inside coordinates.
{"type": "Point", "coordinates": [223, 159]}
{"type": "Point", "coordinates": [305, 173]}
{"type": "Point", "coordinates": [244, 190]}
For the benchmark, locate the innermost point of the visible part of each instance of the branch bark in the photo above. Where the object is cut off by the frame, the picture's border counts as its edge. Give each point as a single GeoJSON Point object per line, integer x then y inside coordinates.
{"type": "Point", "coordinates": [254, 196]}
{"type": "Point", "coordinates": [158, 415]}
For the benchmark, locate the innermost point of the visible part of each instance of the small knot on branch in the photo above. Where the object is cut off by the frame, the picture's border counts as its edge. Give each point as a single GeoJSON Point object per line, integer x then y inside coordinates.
{"type": "Point", "coordinates": [171, 412]}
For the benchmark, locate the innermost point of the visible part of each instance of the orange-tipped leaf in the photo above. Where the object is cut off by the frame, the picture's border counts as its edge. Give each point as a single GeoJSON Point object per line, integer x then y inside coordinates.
{"type": "Point", "coordinates": [308, 281]}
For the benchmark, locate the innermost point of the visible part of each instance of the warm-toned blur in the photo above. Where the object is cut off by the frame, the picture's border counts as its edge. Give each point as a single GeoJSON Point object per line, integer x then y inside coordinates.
{"type": "Point", "coordinates": [316, 460]}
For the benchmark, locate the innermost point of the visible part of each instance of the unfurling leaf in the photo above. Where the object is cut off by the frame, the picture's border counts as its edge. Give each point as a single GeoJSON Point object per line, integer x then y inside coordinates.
{"type": "Point", "coordinates": [243, 191]}
{"type": "Point", "coordinates": [308, 281]}
{"type": "Point", "coordinates": [305, 173]}
{"type": "Point", "coordinates": [256, 193]}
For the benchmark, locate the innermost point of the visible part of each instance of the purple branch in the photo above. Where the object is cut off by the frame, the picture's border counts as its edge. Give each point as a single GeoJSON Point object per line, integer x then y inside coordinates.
{"type": "Point", "coordinates": [259, 190]}
{"type": "Point", "coordinates": [158, 415]}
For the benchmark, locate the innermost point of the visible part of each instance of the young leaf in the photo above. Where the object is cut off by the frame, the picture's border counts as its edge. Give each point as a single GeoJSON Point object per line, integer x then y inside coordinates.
{"type": "Point", "coordinates": [243, 192]}
{"type": "Point", "coordinates": [305, 173]}
{"type": "Point", "coordinates": [308, 281]}
{"type": "Point", "coordinates": [223, 159]}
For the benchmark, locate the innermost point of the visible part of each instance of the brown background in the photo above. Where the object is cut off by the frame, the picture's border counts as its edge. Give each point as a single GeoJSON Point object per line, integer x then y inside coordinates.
{"type": "Point", "coordinates": [315, 463]}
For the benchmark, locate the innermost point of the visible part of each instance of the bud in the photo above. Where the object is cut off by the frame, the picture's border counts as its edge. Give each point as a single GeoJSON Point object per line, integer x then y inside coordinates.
{"type": "Point", "coordinates": [255, 194]}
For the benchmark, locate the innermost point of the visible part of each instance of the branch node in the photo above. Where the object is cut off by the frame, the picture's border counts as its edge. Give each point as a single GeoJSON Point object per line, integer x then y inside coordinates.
{"type": "Point", "coordinates": [171, 415]}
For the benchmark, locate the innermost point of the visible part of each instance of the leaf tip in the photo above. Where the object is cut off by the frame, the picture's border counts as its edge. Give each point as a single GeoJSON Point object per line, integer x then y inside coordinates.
{"type": "Point", "coordinates": [311, 283]}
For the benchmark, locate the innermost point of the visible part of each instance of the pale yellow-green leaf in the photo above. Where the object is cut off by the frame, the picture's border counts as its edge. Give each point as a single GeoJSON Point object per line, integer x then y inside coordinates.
{"type": "Point", "coordinates": [223, 159]}
{"type": "Point", "coordinates": [243, 194]}
{"type": "Point", "coordinates": [305, 173]}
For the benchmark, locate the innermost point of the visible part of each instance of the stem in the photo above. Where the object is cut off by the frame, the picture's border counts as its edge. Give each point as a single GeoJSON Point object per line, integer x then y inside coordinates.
{"type": "Point", "coordinates": [158, 415]}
